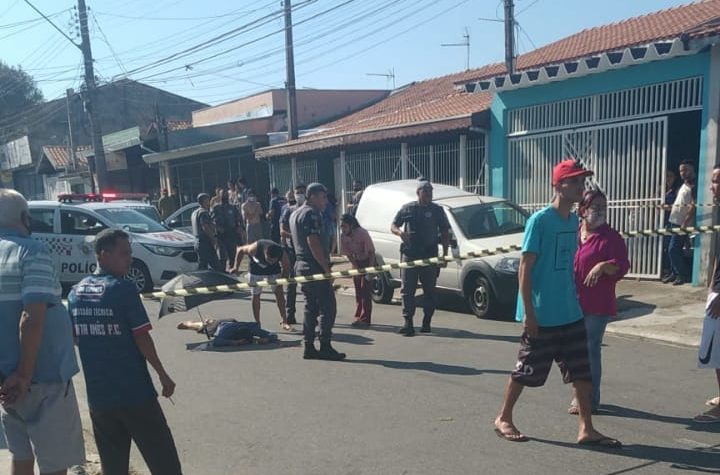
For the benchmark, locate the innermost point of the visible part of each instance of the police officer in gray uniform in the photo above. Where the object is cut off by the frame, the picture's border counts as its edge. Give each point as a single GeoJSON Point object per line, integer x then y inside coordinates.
{"type": "Point", "coordinates": [311, 246]}
{"type": "Point", "coordinates": [418, 224]}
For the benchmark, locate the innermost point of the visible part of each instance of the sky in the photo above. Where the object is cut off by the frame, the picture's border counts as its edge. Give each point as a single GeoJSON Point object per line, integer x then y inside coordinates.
{"type": "Point", "coordinates": [214, 51]}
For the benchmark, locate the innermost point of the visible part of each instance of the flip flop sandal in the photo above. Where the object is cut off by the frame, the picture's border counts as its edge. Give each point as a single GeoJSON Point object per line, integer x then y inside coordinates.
{"type": "Point", "coordinates": [509, 437]}
{"type": "Point", "coordinates": [707, 418]}
{"type": "Point", "coordinates": [604, 442]}
{"type": "Point", "coordinates": [713, 402]}
{"type": "Point", "coordinates": [574, 410]}
{"type": "Point", "coordinates": [287, 327]}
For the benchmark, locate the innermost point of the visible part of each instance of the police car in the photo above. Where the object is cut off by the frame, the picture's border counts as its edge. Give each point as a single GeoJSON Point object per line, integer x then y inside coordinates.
{"type": "Point", "coordinates": [68, 227]}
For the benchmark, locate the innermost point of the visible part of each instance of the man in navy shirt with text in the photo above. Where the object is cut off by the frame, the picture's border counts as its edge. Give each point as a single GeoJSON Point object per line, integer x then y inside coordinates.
{"type": "Point", "coordinates": [112, 329]}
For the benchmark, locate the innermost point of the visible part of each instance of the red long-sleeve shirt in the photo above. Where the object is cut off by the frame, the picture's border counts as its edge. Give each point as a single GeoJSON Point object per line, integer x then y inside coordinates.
{"type": "Point", "coordinates": [603, 244]}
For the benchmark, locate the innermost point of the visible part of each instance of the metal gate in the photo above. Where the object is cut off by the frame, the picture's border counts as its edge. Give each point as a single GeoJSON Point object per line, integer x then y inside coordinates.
{"type": "Point", "coordinates": [629, 160]}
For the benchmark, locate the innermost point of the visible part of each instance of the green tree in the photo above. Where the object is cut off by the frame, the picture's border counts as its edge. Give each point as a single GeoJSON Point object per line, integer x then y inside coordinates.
{"type": "Point", "coordinates": [18, 92]}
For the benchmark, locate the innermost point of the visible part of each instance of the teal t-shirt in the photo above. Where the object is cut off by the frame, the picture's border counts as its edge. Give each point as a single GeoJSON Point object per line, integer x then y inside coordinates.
{"type": "Point", "coordinates": [554, 240]}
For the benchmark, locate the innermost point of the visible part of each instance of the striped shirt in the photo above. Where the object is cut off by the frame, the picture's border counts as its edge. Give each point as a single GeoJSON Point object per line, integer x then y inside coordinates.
{"type": "Point", "coordinates": [29, 276]}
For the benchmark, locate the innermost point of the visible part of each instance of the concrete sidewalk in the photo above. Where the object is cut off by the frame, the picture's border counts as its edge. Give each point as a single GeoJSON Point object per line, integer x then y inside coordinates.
{"type": "Point", "coordinates": [660, 312]}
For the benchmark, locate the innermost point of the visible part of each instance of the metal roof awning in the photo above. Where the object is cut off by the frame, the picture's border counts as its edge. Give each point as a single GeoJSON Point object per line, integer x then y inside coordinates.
{"type": "Point", "coordinates": [200, 149]}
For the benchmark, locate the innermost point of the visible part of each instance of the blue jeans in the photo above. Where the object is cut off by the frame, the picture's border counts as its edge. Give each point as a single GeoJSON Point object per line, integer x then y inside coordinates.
{"type": "Point", "coordinates": [595, 329]}
{"type": "Point", "coordinates": [229, 332]}
{"type": "Point", "coordinates": [677, 259]}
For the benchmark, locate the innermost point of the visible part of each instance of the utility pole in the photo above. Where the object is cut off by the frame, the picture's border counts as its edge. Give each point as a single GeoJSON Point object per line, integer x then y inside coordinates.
{"type": "Point", "coordinates": [90, 100]}
{"type": "Point", "coordinates": [510, 36]}
{"type": "Point", "coordinates": [290, 82]}
{"type": "Point", "coordinates": [71, 145]}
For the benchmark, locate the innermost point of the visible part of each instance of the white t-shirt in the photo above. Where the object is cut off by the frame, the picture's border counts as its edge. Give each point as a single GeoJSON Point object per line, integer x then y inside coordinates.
{"type": "Point", "coordinates": [681, 208]}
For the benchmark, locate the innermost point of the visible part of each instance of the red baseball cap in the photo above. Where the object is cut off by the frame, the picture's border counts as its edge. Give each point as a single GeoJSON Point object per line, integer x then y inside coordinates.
{"type": "Point", "coordinates": [569, 168]}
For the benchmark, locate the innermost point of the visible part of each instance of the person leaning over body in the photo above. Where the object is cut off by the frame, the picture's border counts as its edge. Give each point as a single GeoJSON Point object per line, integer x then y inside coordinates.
{"type": "Point", "coordinates": [553, 326]}
{"type": "Point", "coordinates": [268, 260]}
{"type": "Point", "coordinates": [600, 262]}
{"type": "Point", "coordinates": [419, 224]}
{"type": "Point", "coordinates": [709, 352]}
{"type": "Point", "coordinates": [113, 336]}
{"type": "Point", "coordinates": [356, 244]}
{"type": "Point", "coordinates": [38, 409]}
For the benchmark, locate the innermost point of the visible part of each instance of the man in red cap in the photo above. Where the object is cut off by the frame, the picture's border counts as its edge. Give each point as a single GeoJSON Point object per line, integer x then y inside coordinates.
{"type": "Point", "coordinates": [548, 306]}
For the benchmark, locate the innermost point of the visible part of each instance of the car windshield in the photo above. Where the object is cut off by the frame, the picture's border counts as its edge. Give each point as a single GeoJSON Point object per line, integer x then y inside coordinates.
{"type": "Point", "coordinates": [149, 211]}
{"type": "Point", "coordinates": [132, 221]}
{"type": "Point", "coordinates": [490, 219]}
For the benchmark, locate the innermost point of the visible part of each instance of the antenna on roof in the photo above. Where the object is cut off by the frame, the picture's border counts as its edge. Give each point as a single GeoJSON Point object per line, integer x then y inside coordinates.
{"type": "Point", "coordinates": [390, 76]}
{"type": "Point", "coordinates": [466, 44]}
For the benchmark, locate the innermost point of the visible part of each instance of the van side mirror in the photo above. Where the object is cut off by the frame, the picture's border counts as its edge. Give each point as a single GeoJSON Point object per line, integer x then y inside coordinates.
{"type": "Point", "coordinates": [174, 223]}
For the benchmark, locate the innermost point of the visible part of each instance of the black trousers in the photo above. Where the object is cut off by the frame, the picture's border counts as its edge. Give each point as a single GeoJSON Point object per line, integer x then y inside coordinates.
{"type": "Point", "coordinates": [207, 257]}
{"type": "Point", "coordinates": [227, 248]}
{"type": "Point", "coordinates": [319, 302]}
{"type": "Point", "coordinates": [147, 427]}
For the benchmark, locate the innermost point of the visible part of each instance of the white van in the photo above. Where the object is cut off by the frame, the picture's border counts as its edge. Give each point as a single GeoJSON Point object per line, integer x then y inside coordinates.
{"type": "Point", "coordinates": [69, 230]}
{"type": "Point", "coordinates": [488, 284]}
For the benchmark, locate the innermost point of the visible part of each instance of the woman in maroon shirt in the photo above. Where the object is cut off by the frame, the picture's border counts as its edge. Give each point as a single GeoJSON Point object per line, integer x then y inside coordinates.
{"type": "Point", "coordinates": [357, 245]}
{"type": "Point", "coordinates": [600, 262]}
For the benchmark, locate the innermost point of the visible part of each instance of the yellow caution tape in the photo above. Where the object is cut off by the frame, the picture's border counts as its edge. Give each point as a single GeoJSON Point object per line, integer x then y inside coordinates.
{"type": "Point", "coordinates": [213, 289]}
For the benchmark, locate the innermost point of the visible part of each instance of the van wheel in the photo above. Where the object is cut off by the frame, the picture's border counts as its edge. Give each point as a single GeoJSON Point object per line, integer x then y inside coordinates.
{"type": "Point", "coordinates": [382, 292]}
{"type": "Point", "coordinates": [140, 276]}
{"type": "Point", "coordinates": [480, 297]}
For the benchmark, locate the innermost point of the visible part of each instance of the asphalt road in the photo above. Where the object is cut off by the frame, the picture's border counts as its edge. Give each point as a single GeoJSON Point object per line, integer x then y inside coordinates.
{"type": "Point", "coordinates": [421, 405]}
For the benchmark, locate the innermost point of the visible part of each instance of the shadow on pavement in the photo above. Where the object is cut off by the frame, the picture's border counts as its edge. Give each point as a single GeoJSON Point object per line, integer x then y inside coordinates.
{"type": "Point", "coordinates": [706, 460]}
{"type": "Point", "coordinates": [352, 338]}
{"type": "Point", "coordinates": [619, 411]}
{"type": "Point", "coordinates": [430, 367]}
{"type": "Point", "coordinates": [628, 308]}
{"type": "Point", "coordinates": [206, 346]}
{"type": "Point", "coordinates": [440, 332]}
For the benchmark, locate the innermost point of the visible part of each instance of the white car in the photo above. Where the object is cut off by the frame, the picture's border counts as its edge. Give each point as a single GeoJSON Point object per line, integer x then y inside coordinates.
{"type": "Point", "coordinates": [488, 284]}
{"type": "Point", "coordinates": [181, 219]}
{"type": "Point", "coordinates": [69, 230]}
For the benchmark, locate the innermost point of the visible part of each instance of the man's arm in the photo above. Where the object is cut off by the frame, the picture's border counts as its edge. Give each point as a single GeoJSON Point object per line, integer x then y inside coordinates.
{"type": "Point", "coordinates": [527, 262]}
{"type": "Point", "coordinates": [145, 344]}
{"type": "Point", "coordinates": [316, 248]}
{"type": "Point", "coordinates": [208, 228]}
{"type": "Point", "coordinates": [31, 326]}
{"type": "Point", "coordinates": [241, 252]}
{"type": "Point", "coordinates": [395, 227]}
{"type": "Point", "coordinates": [285, 265]}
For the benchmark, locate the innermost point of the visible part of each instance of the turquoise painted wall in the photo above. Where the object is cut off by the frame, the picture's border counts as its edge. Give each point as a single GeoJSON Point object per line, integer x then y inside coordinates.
{"type": "Point", "coordinates": [634, 76]}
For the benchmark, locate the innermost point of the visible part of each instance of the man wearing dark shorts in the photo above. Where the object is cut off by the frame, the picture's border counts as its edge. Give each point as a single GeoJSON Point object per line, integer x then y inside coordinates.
{"type": "Point", "coordinates": [113, 333]}
{"type": "Point", "coordinates": [554, 329]}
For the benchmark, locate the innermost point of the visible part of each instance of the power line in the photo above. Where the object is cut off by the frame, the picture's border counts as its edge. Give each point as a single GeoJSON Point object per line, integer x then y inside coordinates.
{"type": "Point", "coordinates": [53, 24]}
{"type": "Point", "coordinates": [145, 18]}
{"type": "Point", "coordinates": [107, 42]}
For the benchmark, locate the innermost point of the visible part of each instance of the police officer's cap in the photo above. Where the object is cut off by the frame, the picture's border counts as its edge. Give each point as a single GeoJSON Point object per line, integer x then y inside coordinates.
{"type": "Point", "coordinates": [202, 196]}
{"type": "Point", "coordinates": [314, 188]}
{"type": "Point", "coordinates": [423, 184]}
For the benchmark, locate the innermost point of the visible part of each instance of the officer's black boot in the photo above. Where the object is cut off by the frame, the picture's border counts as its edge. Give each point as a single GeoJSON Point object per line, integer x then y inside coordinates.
{"type": "Point", "coordinates": [327, 352]}
{"type": "Point", "coordinates": [426, 326]}
{"type": "Point", "coordinates": [310, 352]}
{"type": "Point", "coordinates": [408, 329]}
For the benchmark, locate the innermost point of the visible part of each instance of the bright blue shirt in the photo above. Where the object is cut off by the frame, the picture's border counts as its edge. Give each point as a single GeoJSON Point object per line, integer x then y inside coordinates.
{"type": "Point", "coordinates": [28, 276]}
{"type": "Point", "coordinates": [107, 312]}
{"type": "Point", "coordinates": [554, 240]}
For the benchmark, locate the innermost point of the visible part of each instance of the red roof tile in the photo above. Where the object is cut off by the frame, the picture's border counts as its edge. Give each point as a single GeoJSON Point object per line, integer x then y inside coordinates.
{"type": "Point", "coordinates": [694, 20]}
{"type": "Point", "coordinates": [59, 156]}
{"type": "Point", "coordinates": [409, 111]}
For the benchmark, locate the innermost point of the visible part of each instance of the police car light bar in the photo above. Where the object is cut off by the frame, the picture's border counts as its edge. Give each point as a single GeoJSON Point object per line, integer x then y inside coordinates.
{"type": "Point", "coordinates": [78, 197]}
{"type": "Point", "coordinates": [92, 197]}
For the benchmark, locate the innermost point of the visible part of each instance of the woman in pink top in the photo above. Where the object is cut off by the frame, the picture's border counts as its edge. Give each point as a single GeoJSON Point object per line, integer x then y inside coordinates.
{"type": "Point", "coordinates": [600, 262]}
{"type": "Point", "coordinates": [356, 244]}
